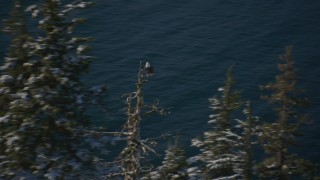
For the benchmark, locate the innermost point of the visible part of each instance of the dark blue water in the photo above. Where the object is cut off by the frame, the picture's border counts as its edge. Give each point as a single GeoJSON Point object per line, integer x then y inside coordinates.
{"type": "Point", "coordinates": [191, 44]}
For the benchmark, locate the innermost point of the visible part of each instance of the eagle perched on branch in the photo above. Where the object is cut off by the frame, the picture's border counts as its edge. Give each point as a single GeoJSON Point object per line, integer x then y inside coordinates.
{"type": "Point", "coordinates": [148, 69]}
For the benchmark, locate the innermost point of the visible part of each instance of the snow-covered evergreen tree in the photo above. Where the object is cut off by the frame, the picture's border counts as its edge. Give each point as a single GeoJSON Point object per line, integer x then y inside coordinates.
{"type": "Point", "coordinates": [174, 165]}
{"type": "Point", "coordinates": [279, 136]}
{"type": "Point", "coordinates": [43, 98]}
{"type": "Point", "coordinates": [248, 130]}
{"type": "Point", "coordinates": [219, 158]}
{"type": "Point", "coordinates": [16, 104]}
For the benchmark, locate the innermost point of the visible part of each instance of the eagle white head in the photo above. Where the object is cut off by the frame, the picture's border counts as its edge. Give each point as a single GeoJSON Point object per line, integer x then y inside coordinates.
{"type": "Point", "coordinates": [147, 65]}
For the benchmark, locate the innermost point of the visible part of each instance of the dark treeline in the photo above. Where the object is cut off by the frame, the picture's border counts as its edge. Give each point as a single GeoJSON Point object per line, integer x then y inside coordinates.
{"type": "Point", "coordinates": [46, 134]}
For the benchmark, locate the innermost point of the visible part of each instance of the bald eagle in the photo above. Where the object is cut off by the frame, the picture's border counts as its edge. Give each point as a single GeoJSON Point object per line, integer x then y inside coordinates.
{"type": "Point", "coordinates": [148, 69]}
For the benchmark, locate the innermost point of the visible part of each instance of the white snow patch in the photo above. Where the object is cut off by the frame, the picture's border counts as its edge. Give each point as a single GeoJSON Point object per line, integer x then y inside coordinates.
{"type": "Point", "coordinates": [6, 79]}
{"type": "Point", "coordinates": [40, 46]}
{"type": "Point", "coordinates": [31, 8]}
{"type": "Point", "coordinates": [220, 89]}
{"type": "Point", "coordinates": [81, 48]}
{"type": "Point", "coordinates": [64, 80]}
{"type": "Point", "coordinates": [5, 118]}
{"type": "Point", "coordinates": [7, 65]}
{"type": "Point", "coordinates": [4, 90]}
{"type": "Point", "coordinates": [11, 140]}
{"type": "Point", "coordinates": [23, 95]}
